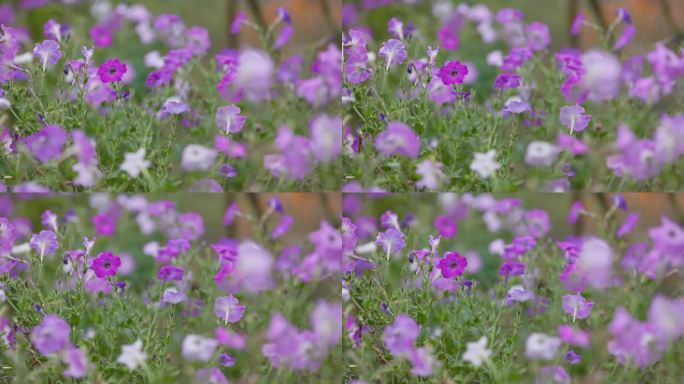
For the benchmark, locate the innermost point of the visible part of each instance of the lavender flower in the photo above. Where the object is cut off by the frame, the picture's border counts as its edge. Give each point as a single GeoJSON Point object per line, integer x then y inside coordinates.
{"type": "Point", "coordinates": [47, 53]}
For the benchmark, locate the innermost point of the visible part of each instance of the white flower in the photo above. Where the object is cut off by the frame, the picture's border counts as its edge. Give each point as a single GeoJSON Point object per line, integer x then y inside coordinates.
{"type": "Point", "coordinates": [477, 352]}
{"type": "Point", "coordinates": [198, 348]}
{"type": "Point", "coordinates": [4, 103]}
{"type": "Point", "coordinates": [132, 355]}
{"type": "Point", "coordinates": [197, 158]}
{"type": "Point", "coordinates": [540, 153]}
{"type": "Point", "coordinates": [541, 346]}
{"type": "Point", "coordinates": [485, 164]}
{"type": "Point", "coordinates": [134, 163]}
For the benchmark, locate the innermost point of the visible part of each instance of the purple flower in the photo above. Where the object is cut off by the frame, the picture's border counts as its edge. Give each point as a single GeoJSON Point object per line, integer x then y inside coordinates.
{"type": "Point", "coordinates": [593, 266]}
{"type": "Point", "coordinates": [212, 375]}
{"type": "Point", "coordinates": [228, 309]}
{"type": "Point", "coordinates": [76, 361]}
{"type": "Point", "coordinates": [627, 225]}
{"type": "Point", "coordinates": [398, 139]}
{"type": "Point", "coordinates": [512, 268]}
{"type": "Point", "coordinates": [106, 264]}
{"type": "Point", "coordinates": [51, 335]}
{"type": "Point", "coordinates": [394, 52]}
{"type": "Point", "coordinates": [112, 71]}
{"type": "Point", "coordinates": [575, 211]}
{"type": "Point", "coordinates": [573, 357]}
{"type": "Point", "coordinates": [668, 238]}
{"type": "Point", "coordinates": [102, 36]}
{"type": "Point", "coordinates": [573, 117]}
{"type": "Point", "coordinates": [400, 336]}
{"type": "Point", "coordinates": [577, 306]}
{"type": "Point", "coordinates": [229, 119]}
{"type": "Point", "coordinates": [573, 336]}
{"type": "Point", "coordinates": [421, 361]}
{"type": "Point", "coordinates": [446, 226]}
{"type": "Point", "coordinates": [45, 243]}
{"type": "Point", "coordinates": [226, 360]}
{"type": "Point", "coordinates": [452, 265]}
{"type": "Point", "coordinates": [326, 137]}
{"type": "Point", "coordinates": [453, 72]}
{"type": "Point", "coordinates": [170, 273]}
{"type": "Point", "coordinates": [47, 53]}
{"type": "Point", "coordinates": [54, 31]}
{"type": "Point", "coordinates": [282, 227]}
{"type": "Point", "coordinates": [538, 36]}
{"type": "Point", "coordinates": [448, 38]}
{"type": "Point", "coordinates": [391, 241]}
{"type": "Point", "coordinates": [601, 77]}
{"type": "Point", "coordinates": [47, 143]}
{"type": "Point", "coordinates": [553, 374]}
{"type": "Point", "coordinates": [507, 81]}
{"type": "Point", "coordinates": [7, 235]}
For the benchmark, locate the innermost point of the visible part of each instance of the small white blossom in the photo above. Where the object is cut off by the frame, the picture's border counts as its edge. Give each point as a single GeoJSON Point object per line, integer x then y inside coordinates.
{"type": "Point", "coordinates": [132, 355]}
{"type": "Point", "coordinates": [477, 352]}
{"type": "Point", "coordinates": [134, 163]}
{"type": "Point", "coordinates": [485, 164]}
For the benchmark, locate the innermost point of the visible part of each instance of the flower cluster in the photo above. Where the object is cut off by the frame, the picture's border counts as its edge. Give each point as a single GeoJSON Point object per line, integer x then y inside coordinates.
{"type": "Point", "coordinates": [511, 299]}
{"type": "Point", "coordinates": [107, 308]}
{"type": "Point", "coordinates": [78, 110]}
{"type": "Point", "coordinates": [471, 98]}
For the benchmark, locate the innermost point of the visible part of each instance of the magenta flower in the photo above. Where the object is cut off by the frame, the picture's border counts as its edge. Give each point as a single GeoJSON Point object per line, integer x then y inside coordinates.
{"type": "Point", "coordinates": [577, 306]}
{"type": "Point", "coordinates": [228, 309]}
{"type": "Point", "coordinates": [102, 36]}
{"type": "Point", "coordinates": [538, 36]}
{"type": "Point", "coordinates": [453, 72]}
{"type": "Point", "coordinates": [446, 226]}
{"type": "Point", "coordinates": [106, 264]}
{"type": "Point", "coordinates": [47, 53]}
{"type": "Point", "coordinates": [111, 71]}
{"type": "Point", "coordinates": [448, 38]}
{"type": "Point", "coordinates": [398, 139]}
{"type": "Point", "coordinates": [628, 225]}
{"type": "Point", "coordinates": [77, 363]}
{"type": "Point", "coordinates": [51, 335]}
{"type": "Point", "coordinates": [170, 272]}
{"type": "Point", "coordinates": [47, 143]}
{"type": "Point", "coordinates": [452, 265]}
{"type": "Point", "coordinates": [573, 117]}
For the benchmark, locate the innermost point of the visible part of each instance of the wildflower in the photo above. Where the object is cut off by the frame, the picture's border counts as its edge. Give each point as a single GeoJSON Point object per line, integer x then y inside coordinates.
{"type": "Point", "coordinates": [518, 293]}
{"type": "Point", "coordinates": [601, 75]}
{"type": "Point", "coordinates": [132, 355]}
{"type": "Point", "coordinates": [431, 175]}
{"type": "Point", "coordinates": [47, 143]}
{"type": "Point", "coordinates": [228, 118]}
{"type": "Point", "coordinates": [228, 309]}
{"type": "Point", "coordinates": [391, 241]}
{"type": "Point", "coordinates": [512, 268]}
{"type": "Point", "coordinates": [394, 52]}
{"type": "Point", "coordinates": [134, 163]}
{"type": "Point", "coordinates": [170, 273]}
{"type": "Point", "coordinates": [538, 36]}
{"type": "Point", "coordinates": [326, 323]}
{"type": "Point", "coordinates": [106, 264]}
{"type": "Point", "coordinates": [422, 362]}
{"type": "Point", "coordinates": [627, 225]}
{"type": "Point", "coordinates": [55, 31]}
{"type": "Point", "coordinates": [112, 71]}
{"type": "Point", "coordinates": [446, 226]}
{"type": "Point", "coordinates": [541, 346]}
{"type": "Point", "coordinates": [173, 295]}
{"type": "Point", "coordinates": [477, 352]}
{"type": "Point", "coordinates": [210, 375]}
{"type": "Point", "coordinates": [554, 374]}
{"type": "Point", "coordinates": [47, 53]}
{"type": "Point", "coordinates": [453, 72]}
{"type": "Point", "coordinates": [507, 81]}
{"type": "Point", "coordinates": [448, 38]}
{"type": "Point", "coordinates": [197, 158]}
{"type": "Point", "coordinates": [452, 265]}
{"type": "Point", "coordinates": [400, 335]}
{"type": "Point", "coordinates": [51, 335]}
{"type": "Point", "coordinates": [576, 209]}
{"type": "Point", "coordinates": [573, 117]}
{"type": "Point", "coordinates": [541, 153]}
{"type": "Point", "coordinates": [515, 105]}
{"type": "Point", "coordinates": [326, 137]}
{"type": "Point", "coordinates": [398, 139]}
{"type": "Point", "coordinates": [577, 306]}
{"type": "Point", "coordinates": [45, 243]}
{"type": "Point", "coordinates": [573, 357]}
{"type": "Point", "coordinates": [485, 164]}
{"type": "Point", "coordinates": [76, 361]}
{"type": "Point", "coordinates": [198, 348]}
